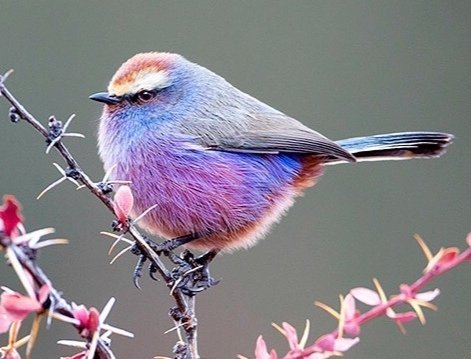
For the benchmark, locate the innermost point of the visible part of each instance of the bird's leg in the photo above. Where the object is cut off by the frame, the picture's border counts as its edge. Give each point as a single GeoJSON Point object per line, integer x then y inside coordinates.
{"type": "Point", "coordinates": [204, 260]}
{"type": "Point", "coordinates": [172, 244]}
{"type": "Point", "coordinates": [207, 257]}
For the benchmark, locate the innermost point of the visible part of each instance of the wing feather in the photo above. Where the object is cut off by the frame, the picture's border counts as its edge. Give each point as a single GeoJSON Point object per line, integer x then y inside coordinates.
{"type": "Point", "coordinates": [272, 133]}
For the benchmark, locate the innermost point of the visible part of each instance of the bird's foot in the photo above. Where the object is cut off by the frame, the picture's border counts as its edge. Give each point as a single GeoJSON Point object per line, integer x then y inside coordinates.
{"type": "Point", "coordinates": [137, 273]}
{"type": "Point", "coordinates": [192, 275]}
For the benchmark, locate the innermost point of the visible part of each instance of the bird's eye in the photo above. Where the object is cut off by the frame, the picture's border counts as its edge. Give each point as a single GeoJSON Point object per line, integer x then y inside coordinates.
{"type": "Point", "coordinates": [145, 96]}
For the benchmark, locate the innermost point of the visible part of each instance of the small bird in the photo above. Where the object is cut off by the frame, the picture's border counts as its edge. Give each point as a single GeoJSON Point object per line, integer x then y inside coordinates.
{"type": "Point", "coordinates": [220, 166]}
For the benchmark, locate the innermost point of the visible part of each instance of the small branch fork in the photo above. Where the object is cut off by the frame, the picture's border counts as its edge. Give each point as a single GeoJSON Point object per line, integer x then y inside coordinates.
{"type": "Point", "coordinates": [183, 313]}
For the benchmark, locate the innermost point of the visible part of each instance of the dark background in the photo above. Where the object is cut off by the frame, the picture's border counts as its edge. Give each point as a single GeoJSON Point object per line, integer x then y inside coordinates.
{"type": "Point", "coordinates": [345, 68]}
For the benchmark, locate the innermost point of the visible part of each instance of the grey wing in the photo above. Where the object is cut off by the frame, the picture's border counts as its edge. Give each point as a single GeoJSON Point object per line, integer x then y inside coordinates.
{"type": "Point", "coordinates": [269, 133]}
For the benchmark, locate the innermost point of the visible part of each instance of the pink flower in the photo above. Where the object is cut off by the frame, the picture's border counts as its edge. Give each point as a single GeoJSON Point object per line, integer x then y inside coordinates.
{"type": "Point", "coordinates": [123, 203]}
{"type": "Point", "coordinates": [366, 295]}
{"type": "Point", "coordinates": [16, 307]}
{"type": "Point", "coordinates": [296, 347]}
{"type": "Point", "coordinates": [376, 299]}
{"type": "Point", "coordinates": [350, 313]}
{"type": "Point", "coordinates": [261, 351]}
{"type": "Point", "coordinates": [334, 344]}
{"type": "Point", "coordinates": [408, 295]}
{"type": "Point", "coordinates": [291, 335]}
{"type": "Point", "coordinates": [5, 320]}
{"type": "Point", "coordinates": [89, 319]}
{"type": "Point", "coordinates": [444, 259]}
{"type": "Point", "coordinates": [331, 344]}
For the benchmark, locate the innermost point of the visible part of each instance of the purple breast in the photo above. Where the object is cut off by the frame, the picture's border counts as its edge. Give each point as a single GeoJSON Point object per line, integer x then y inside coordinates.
{"type": "Point", "coordinates": [199, 190]}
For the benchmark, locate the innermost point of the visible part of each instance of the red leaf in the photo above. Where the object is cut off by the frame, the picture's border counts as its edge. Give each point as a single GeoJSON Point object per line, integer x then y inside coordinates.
{"type": "Point", "coordinates": [10, 214]}
{"type": "Point", "coordinates": [93, 320]}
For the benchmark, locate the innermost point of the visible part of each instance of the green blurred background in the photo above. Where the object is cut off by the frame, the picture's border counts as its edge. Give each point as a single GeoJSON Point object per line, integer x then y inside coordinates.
{"type": "Point", "coordinates": [345, 68]}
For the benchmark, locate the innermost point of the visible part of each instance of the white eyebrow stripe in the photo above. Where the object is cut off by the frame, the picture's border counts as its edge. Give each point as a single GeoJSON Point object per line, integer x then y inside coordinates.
{"type": "Point", "coordinates": [144, 81]}
{"type": "Point", "coordinates": [149, 81]}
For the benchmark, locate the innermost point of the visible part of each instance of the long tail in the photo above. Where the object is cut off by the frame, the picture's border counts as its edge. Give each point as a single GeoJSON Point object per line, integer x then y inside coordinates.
{"type": "Point", "coordinates": [397, 146]}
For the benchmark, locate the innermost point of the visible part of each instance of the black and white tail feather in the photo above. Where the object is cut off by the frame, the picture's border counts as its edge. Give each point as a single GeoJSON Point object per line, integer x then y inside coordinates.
{"type": "Point", "coordinates": [396, 146]}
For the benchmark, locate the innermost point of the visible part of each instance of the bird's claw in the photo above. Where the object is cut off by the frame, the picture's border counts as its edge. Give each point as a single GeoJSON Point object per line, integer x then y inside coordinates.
{"type": "Point", "coordinates": [152, 271]}
{"type": "Point", "coordinates": [192, 274]}
{"type": "Point", "coordinates": [137, 273]}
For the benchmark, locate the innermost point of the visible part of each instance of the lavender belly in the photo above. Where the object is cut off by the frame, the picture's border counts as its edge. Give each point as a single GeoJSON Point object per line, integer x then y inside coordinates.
{"type": "Point", "coordinates": [221, 193]}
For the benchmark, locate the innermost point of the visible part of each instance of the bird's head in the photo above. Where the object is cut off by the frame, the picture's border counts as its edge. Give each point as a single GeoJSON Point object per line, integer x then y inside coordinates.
{"type": "Point", "coordinates": [141, 80]}
{"type": "Point", "coordinates": [153, 95]}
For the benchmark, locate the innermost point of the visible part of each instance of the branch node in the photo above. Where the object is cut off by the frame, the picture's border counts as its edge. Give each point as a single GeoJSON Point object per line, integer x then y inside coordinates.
{"type": "Point", "coordinates": [181, 351]}
{"type": "Point", "coordinates": [72, 172]}
{"type": "Point", "coordinates": [14, 115]}
{"type": "Point", "coordinates": [105, 187]}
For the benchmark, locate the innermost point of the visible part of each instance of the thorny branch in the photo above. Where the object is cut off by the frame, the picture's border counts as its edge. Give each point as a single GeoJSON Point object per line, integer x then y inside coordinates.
{"type": "Point", "coordinates": [42, 299]}
{"type": "Point", "coordinates": [58, 304]}
{"type": "Point", "coordinates": [183, 313]}
{"type": "Point", "coordinates": [350, 320]}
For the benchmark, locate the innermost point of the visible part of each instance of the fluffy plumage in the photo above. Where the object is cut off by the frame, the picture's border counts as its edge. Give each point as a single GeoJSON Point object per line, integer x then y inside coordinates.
{"type": "Point", "coordinates": [215, 160]}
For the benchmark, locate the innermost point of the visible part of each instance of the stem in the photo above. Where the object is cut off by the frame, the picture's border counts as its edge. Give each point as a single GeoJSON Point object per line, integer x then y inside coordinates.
{"type": "Point", "coordinates": [193, 341]}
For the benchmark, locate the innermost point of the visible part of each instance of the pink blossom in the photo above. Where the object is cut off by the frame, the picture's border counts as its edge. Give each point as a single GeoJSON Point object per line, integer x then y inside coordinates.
{"type": "Point", "coordinates": [366, 295]}
{"type": "Point", "coordinates": [442, 258]}
{"type": "Point", "coordinates": [407, 291]}
{"type": "Point", "coordinates": [123, 203]}
{"type": "Point", "coordinates": [16, 307]}
{"type": "Point", "coordinates": [350, 313]}
{"type": "Point", "coordinates": [330, 343]}
{"type": "Point", "coordinates": [261, 351]}
{"type": "Point", "coordinates": [5, 320]}
{"type": "Point", "coordinates": [291, 335]}
{"type": "Point", "coordinates": [89, 319]}
{"type": "Point", "coordinates": [428, 296]}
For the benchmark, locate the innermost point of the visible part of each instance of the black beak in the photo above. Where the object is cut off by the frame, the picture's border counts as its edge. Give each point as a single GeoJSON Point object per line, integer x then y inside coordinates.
{"type": "Point", "coordinates": [105, 97]}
